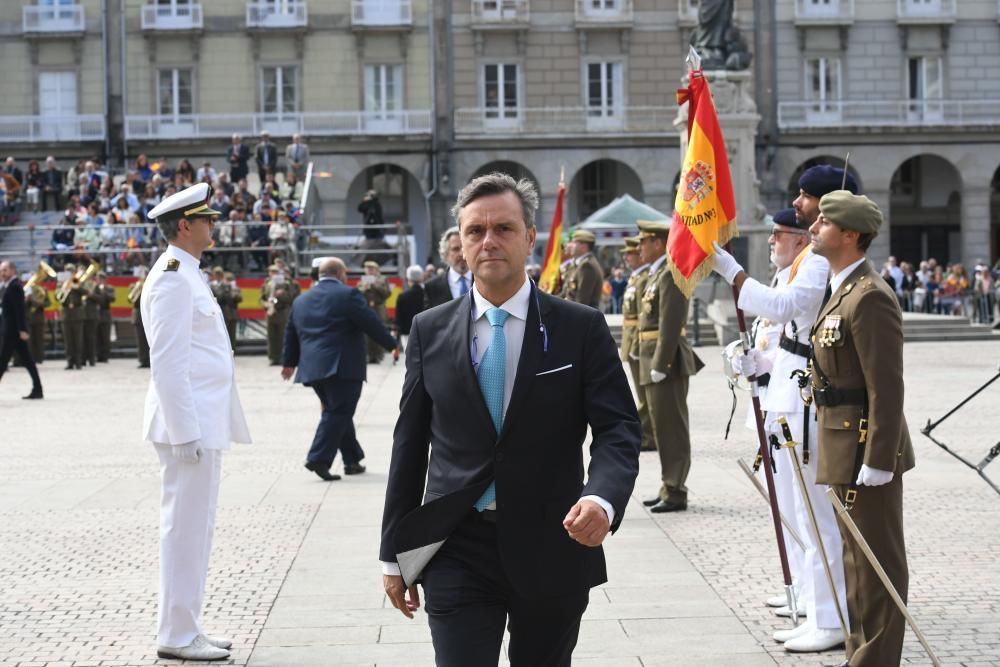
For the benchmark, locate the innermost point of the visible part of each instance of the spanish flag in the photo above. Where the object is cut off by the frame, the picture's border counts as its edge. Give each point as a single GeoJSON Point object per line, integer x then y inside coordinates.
{"type": "Point", "coordinates": [705, 207]}
{"type": "Point", "coordinates": [549, 280]}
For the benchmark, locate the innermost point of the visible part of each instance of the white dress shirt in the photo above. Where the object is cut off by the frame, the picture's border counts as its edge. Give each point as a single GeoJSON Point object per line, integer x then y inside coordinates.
{"type": "Point", "coordinates": [455, 286]}
{"type": "Point", "coordinates": [837, 279]}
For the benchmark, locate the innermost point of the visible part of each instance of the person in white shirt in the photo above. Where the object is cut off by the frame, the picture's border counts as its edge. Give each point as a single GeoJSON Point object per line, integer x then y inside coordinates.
{"type": "Point", "coordinates": [192, 413]}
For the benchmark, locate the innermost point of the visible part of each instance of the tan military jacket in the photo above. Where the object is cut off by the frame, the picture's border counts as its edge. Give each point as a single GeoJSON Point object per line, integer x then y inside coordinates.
{"type": "Point", "coordinates": [103, 296]}
{"type": "Point", "coordinates": [72, 307]}
{"type": "Point", "coordinates": [567, 282]}
{"type": "Point", "coordinates": [587, 282]}
{"type": "Point", "coordinates": [228, 298]}
{"type": "Point", "coordinates": [663, 344]}
{"type": "Point", "coordinates": [376, 293]}
{"type": "Point", "coordinates": [630, 313]}
{"type": "Point", "coordinates": [38, 300]}
{"type": "Point", "coordinates": [276, 298]}
{"type": "Point", "coordinates": [858, 344]}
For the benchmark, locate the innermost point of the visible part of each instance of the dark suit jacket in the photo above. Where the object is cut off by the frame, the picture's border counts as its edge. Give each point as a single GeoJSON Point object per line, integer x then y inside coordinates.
{"type": "Point", "coordinates": [537, 459]}
{"type": "Point", "coordinates": [408, 304]}
{"type": "Point", "coordinates": [238, 162]}
{"type": "Point", "coordinates": [270, 160]}
{"type": "Point", "coordinates": [438, 290]}
{"type": "Point", "coordinates": [14, 317]}
{"type": "Point", "coordinates": [326, 331]}
{"type": "Point", "coordinates": [52, 180]}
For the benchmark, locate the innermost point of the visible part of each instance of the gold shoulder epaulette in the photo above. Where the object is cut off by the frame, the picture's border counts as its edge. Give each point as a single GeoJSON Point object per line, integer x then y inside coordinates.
{"type": "Point", "coordinates": [173, 265]}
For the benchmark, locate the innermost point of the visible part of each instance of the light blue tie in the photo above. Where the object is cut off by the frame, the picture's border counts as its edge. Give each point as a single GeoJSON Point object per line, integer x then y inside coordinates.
{"type": "Point", "coordinates": [463, 286]}
{"type": "Point", "coordinates": [491, 382]}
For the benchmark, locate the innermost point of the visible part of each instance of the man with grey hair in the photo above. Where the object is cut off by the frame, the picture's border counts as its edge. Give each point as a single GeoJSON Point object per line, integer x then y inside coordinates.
{"type": "Point", "coordinates": [458, 279]}
{"type": "Point", "coordinates": [297, 157]}
{"type": "Point", "coordinates": [486, 502]}
{"type": "Point", "coordinates": [412, 301]}
{"type": "Point", "coordinates": [192, 414]}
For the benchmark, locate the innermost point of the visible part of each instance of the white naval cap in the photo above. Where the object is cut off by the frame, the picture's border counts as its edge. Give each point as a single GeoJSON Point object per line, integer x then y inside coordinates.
{"type": "Point", "coordinates": [189, 202]}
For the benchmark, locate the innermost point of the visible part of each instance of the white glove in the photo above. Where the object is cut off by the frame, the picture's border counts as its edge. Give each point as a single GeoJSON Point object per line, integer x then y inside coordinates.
{"type": "Point", "coordinates": [873, 476]}
{"type": "Point", "coordinates": [189, 452]}
{"type": "Point", "coordinates": [725, 264]}
{"type": "Point", "coordinates": [754, 363]}
{"type": "Point", "coordinates": [657, 376]}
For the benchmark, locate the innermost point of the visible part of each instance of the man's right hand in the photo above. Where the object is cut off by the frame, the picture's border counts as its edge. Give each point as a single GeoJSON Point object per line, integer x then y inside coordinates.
{"type": "Point", "coordinates": [287, 372]}
{"type": "Point", "coordinates": [397, 593]}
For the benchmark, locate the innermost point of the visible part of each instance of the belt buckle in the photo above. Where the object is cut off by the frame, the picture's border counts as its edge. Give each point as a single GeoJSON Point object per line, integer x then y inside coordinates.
{"type": "Point", "coordinates": [863, 431]}
{"type": "Point", "coordinates": [849, 498]}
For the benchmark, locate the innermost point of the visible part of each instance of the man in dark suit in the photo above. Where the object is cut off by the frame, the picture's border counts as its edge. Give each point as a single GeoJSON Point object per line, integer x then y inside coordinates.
{"type": "Point", "coordinates": [500, 389]}
{"type": "Point", "coordinates": [457, 280]}
{"type": "Point", "coordinates": [266, 156]}
{"type": "Point", "coordinates": [52, 185]}
{"type": "Point", "coordinates": [413, 300]}
{"type": "Point", "coordinates": [237, 156]}
{"type": "Point", "coordinates": [14, 329]}
{"type": "Point", "coordinates": [325, 339]}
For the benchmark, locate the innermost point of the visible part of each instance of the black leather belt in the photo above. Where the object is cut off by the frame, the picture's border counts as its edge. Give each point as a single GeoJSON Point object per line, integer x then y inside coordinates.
{"type": "Point", "coordinates": [829, 397]}
{"type": "Point", "coordinates": [794, 346]}
{"type": "Point", "coordinates": [763, 380]}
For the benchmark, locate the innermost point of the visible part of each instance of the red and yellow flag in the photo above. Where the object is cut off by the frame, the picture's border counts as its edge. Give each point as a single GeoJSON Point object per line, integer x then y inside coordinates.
{"type": "Point", "coordinates": [549, 280]}
{"type": "Point", "coordinates": [705, 207]}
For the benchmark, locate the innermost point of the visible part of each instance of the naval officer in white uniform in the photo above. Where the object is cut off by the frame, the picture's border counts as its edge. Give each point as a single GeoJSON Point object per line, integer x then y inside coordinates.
{"type": "Point", "coordinates": [192, 413]}
{"type": "Point", "coordinates": [795, 300]}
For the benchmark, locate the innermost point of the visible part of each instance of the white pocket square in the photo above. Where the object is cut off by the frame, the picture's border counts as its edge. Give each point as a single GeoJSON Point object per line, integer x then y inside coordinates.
{"type": "Point", "coordinates": [554, 370]}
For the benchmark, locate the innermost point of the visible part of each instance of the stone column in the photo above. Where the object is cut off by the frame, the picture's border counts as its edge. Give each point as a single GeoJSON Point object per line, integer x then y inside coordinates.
{"type": "Point", "coordinates": [975, 226]}
{"type": "Point", "coordinates": [879, 250]}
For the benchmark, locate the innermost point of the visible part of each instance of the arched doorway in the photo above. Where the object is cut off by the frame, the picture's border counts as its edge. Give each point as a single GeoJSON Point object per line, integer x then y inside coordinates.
{"type": "Point", "coordinates": [401, 198]}
{"type": "Point", "coordinates": [597, 184]}
{"type": "Point", "coordinates": [793, 182]}
{"type": "Point", "coordinates": [925, 211]}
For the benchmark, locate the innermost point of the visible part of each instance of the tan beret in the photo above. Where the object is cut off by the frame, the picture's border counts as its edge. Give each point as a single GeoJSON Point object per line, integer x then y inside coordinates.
{"type": "Point", "coordinates": [849, 211]}
{"type": "Point", "coordinates": [371, 265]}
{"type": "Point", "coordinates": [584, 236]}
{"type": "Point", "coordinates": [631, 244]}
{"type": "Point", "coordinates": [653, 229]}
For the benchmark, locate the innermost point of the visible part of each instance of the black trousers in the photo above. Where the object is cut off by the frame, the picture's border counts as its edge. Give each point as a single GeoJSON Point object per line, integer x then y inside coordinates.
{"type": "Point", "coordinates": [469, 599]}
{"type": "Point", "coordinates": [11, 344]}
{"type": "Point", "coordinates": [339, 399]}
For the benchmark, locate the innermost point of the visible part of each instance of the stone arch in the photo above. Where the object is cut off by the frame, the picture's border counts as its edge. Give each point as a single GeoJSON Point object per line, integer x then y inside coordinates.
{"type": "Point", "coordinates": [517, 171]}
{"type": "Point", "coordinates": [597, 183]}
{"type": "Point", "coordinates": [401, 196]}
{"type": "Point", "coordinates": [925, 210]}
{"type": "Point", "coordinates": [793, 181]}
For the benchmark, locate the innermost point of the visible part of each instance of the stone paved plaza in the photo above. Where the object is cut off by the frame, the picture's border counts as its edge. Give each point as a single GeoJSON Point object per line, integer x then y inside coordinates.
{"type": "Point", "coordinates": [294, 581]}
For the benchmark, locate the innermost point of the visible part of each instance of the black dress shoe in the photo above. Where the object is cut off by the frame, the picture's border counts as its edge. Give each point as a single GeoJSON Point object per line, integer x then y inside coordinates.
{"type": "Point", "coordinates": [668, 506]}
{"type": "Point", "coordinates": [322, 471]}
{"type": "Point", "coordinates": [647, 448]}
{"type": "Point", "coordinates": [143, 366]}
{"type": "Point", "coordinates": [69, 367]}
{"type": "Point", "coordinates": [651, 501]}
{"type": "Point", "coordinates": [353, 468]}
{"type": "Point", "coordinates": [35, 393]}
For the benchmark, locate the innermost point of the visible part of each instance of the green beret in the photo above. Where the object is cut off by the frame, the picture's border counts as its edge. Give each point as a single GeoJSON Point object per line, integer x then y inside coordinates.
{"type": "Point", "coordinates": [849, 211]}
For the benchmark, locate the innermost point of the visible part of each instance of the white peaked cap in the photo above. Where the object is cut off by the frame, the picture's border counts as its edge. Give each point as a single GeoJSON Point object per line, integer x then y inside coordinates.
{"type": "Point", "coordinates": [192, 201]}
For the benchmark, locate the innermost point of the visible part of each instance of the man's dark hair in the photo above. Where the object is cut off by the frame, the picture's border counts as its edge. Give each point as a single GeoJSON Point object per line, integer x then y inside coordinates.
{"type": "Point", "coordinates": [498, 183]}
{"type": "Point", "coordinates": [865, 240]}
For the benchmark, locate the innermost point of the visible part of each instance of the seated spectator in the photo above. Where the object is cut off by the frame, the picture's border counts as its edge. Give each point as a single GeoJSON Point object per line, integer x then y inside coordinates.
{"type": "Point", "coordinates": [104, 197]}
{"type": "Point", "coordinates": [233, 234]}
{"type": "Point", "coordinates": [159, 184]}
{"type": "Point", "coordinates": [257, 238]}
{"type": "Point", "coordinates": [87, 236]}
{"type": "Point", "coordinates": [220, 202]}
{"type": "Point", "coordinates": [265, 207]}
{"type": "Point", "coordinates": [121, 212]}
{"type": "Point", "coordinates": [247, 200]}
{"type": "Point", "coordinates": [271, 188]}
{"type": "Point", "coordinates": [291, 189]}
{"type": "Point", "coordinates": [186, 173]}
{"type": "Point", "coordinates": [125, 192]}
{"type": "Point", "coordinates": [74, 209]}
{"type": "Point", "coordinates": [94, 216]}
{"type": "Point", "coordinates": [62, 241]}
{"type": "Point", "coordinates": [33, 184]}
{"type": "Point", "coordinates": [143, 172]}
{"type": "Point", "coordinates": [223, 183]}
{"type": "Point", "coordinates": [205, 173]}
{"type": "Point", "coordinates": [280, 234]}
{"type": "Point", "coordinates": [162, 167]}
{"type": "Point", "coordinates": [150, 196]}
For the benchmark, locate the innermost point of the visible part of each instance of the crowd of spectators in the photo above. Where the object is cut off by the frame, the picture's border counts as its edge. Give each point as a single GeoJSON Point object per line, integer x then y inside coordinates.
{"type": "Point", "coordinates": [945, 290]}
{"type": "Point", "coordinates": [104, 215]}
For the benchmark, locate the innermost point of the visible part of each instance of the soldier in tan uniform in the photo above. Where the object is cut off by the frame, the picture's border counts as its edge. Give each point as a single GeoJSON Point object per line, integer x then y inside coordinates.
{"type": "Point", "coordinates": [71, 301]}
{"type": "Point", "coordinates": [37, 300]}
{"type": "Point", "coordinates": [103, 296]}
{"type": "Point", "coordinates": [857, 386]}
{"type": "Point", "coordinates": [666, 360]}
{"type": "Point", "coordinates": [567, 269]}
{"type": "Point", "coordinates": [276, 297]}
{"type": "Point", "coordinates": [376, 291]}
{"type": "Point", "coordinates": [90, 315]}
{"type": "Point", "coordinates": [630, 332]}
{"type": "Point", "coordinates": [586, 282]}
{"type": "Point", "coordinates": [135, 299]}
{"type": "Point", "coordinates": [228, 296]}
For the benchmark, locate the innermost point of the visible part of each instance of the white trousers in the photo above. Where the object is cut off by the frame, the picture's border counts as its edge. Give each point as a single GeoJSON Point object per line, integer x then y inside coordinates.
{"type": "Point", "coordinates": [812, 584]}
{"type": "Point", "coordinates": [188, 500]}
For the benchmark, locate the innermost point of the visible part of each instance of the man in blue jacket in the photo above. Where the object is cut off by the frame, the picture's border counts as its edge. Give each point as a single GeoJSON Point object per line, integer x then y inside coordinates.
{"type": "Point", "coordinates": [325, 339]}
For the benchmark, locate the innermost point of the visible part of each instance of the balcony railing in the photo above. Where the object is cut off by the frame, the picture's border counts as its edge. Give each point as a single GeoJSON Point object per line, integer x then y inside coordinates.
{"type": "Point", "coordinates": [165, 17]}
{"type": "Point", "coordinates": [41, 19]}
{"type": "Point", "coordinates": [604, 12]}
{"type": "Point", "coordinates": [853, 115]}
{"type": "Point", "coordinates": [334, 123]}
{"type": "Point", "coordinates": [28, 129]}
{"type": "Point", "coordinates": [381, 13]}
{"type": "Point", "coordinates": [925, 11]}
{"type": "Point", "coordinates": [566, 121]}
{"type": "Point", "coordinates": [500, 13]}
{"type": "Point", "coordinates": [280, 14]}
{"type": "Point", "coordinates": [824, 12]}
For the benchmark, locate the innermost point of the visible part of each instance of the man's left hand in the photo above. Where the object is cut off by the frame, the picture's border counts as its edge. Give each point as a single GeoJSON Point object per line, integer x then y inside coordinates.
{"type": "Point", "coordinates": [287, 372]}
{"type": "Point", "coordinates": [587, 523]}
{"type": "Point", "coordinates": [24, 335]}
{"type": "Point", "coordinates": [873, 476]}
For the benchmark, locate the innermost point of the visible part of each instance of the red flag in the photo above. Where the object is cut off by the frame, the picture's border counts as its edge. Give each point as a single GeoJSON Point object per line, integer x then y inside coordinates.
{"type": "Point", "coordinates": [705, 207]}
{"type": "Point", "coordinates": [549, 280]}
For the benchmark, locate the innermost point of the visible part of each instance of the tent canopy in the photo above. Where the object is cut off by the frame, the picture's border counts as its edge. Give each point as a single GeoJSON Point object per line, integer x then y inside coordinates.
{"type": "Point", "coordinates": [622, 214]}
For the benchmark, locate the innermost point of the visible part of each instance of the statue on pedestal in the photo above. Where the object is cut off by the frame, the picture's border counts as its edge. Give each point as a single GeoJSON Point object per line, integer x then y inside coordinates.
{"type": "Point", "coordinates": [717, 39]}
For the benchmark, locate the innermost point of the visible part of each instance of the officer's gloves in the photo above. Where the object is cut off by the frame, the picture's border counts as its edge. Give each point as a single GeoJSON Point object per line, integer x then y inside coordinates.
{"type": "Point", "coordinates": [189, 452]}
{"type": "Point", "coordinates": [725, 264]}
{"type": "Point", "coordinates": [873, 476]}
{"type": "Point", "coordinates": [657, 376]}
{"type": "Point", "coordinates": [752, 363]}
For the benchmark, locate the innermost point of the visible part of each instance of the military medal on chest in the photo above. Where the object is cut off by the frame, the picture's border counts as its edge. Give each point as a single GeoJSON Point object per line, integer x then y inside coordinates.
{"type": "Point", "coordinates": [830, 333]}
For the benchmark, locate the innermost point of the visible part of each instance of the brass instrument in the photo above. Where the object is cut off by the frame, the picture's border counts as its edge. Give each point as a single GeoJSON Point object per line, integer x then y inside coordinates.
{"type": "Point", "coordinates": [135, 291]}
{"type": "Point", "coordinates": [44, 271]}
{"type": "Point", "coordinates": [80, 277]}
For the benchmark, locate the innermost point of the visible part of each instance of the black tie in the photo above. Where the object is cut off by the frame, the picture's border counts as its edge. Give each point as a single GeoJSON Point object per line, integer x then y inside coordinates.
{"type": "Point", "coordinates": [826, 295]}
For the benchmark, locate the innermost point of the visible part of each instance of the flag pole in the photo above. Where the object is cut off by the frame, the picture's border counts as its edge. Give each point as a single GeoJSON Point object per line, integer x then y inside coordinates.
{"type": "Point", "coordinates": [693, 61]}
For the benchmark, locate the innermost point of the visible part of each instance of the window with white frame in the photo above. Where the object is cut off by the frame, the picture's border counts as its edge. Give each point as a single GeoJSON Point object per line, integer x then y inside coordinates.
{"type": "Point", "coordinates": [922, 6]}
{"type": "Point", "coordinates": [603, 6]}
{"type": "Point", "coordinates": [924, 78]}
{"type": "Point", "coordinates": [279, 89]}
{"type": "Point", "coordinates": [604, 89]}
{"type": "Point", "coordinates": [822, 84]}
{"type": "Point", "coordinates": [383, 90]}
{"type": "Point", "coordinates": [175, 95]}
{"type": "Point", "coordinates": [173, 7]}
{"type": "Point", "coordinates": [500, 91]}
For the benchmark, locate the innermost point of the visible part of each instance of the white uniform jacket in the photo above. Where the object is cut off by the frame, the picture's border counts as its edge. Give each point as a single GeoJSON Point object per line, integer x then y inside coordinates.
{"type": "Point", "coordinates": [192, 390]}
{"type": "Point", "coordinates": [796, 304]}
